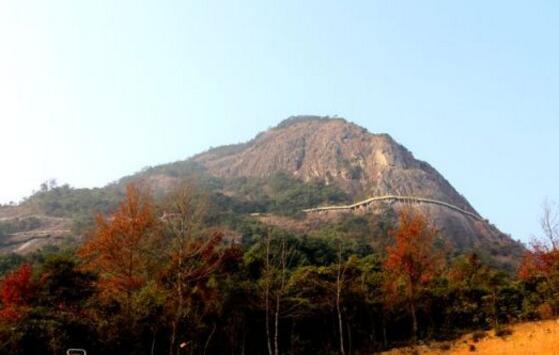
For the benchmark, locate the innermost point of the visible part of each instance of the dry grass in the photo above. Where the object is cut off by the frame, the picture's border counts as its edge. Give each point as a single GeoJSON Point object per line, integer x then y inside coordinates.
{"type": "Point", "coordinates": [539, 338]}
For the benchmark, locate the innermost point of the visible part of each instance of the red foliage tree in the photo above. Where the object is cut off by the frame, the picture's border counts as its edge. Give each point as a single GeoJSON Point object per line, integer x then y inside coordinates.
{"type": "Point", "coordinates": [412, 260]}
{"type": "Point", "coordinates": [16, 292]}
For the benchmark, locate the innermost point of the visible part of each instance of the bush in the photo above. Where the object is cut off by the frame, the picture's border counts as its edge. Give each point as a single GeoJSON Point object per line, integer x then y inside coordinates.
{"type": "Point", "coordinates": [478, 335]}
{"type": "Point", "coordinates": [472, 348]}
{"type": "Point", "coordinates": [503, 332]}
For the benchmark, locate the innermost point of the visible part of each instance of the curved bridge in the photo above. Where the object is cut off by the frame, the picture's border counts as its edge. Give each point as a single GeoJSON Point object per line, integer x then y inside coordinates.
{"type": "Point", "coordinates": [411, 199]}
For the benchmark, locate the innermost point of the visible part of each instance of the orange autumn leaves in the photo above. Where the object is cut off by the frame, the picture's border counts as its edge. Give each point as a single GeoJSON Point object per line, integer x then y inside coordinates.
{"type": "Point", "coordinates": [411, 261]}
{"type": "Point", "coordinates": [412, 257]}
{"type": "Point", "coordinates": [134, 247]}
{"type": "Point", "coordinates": [540, 261]}
{"type": "Point", "coordinates": [120, 246]}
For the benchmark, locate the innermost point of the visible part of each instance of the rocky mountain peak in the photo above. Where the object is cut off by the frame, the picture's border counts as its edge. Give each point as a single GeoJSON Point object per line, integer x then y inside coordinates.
{"type": "Point", "coordinates": [333, 150]}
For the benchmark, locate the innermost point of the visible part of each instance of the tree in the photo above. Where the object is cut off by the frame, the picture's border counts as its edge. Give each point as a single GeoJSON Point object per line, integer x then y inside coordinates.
{"type": "Point", "coordinates": [9, 261]}
{"type": "Point", "coordinates": [467, 270]}
{"type": "Point", "coordinates": [63, 285]}
{"type": "Point", "coordinates": [341, 268]}
{"type": "Point", "coordinates": [540, 264]}
{"type": "Point", "coordinates": [123, 250]}
{"type": "Point", "coordinates": [278, 256]}
{"type": "Point", "coordinates": [411, 260]}
{"type": "Point", "coordinates": [63, 306]}
{"type": "Point", "coordinates": [464, 290]}
{"type": "Point", "coordinates": [194, 253]}
{"type": "Point", "coordinates": [543, 256]}
{"type": "Point", "coordinates": [16, 293]}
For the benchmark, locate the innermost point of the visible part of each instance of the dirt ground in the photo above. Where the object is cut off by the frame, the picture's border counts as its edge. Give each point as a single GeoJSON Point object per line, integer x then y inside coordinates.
{"type": "Point", "coordinates": [539, 338]}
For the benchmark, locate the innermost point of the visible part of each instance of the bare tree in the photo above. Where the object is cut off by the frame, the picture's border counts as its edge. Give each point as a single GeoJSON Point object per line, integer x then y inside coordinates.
{"type": "Point", "coordinates": [550, 223]}
{"type": "Point", "coordinates": [277, 263]}
{"type": "Point", "coordinates": [192, 248]}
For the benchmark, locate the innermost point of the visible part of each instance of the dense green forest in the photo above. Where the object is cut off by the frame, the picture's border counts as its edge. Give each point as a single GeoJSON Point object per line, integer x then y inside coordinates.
{"type": "Point", "coordinates": [187, 274]}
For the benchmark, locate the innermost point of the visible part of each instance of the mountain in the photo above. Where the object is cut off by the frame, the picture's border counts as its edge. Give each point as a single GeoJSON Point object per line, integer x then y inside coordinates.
{"type": "Point", "coordinates": [304, 162]}
{"type": "Point", "coordinates": [332, 151]}
{"type": "Point", "coordinates": [335, 151]}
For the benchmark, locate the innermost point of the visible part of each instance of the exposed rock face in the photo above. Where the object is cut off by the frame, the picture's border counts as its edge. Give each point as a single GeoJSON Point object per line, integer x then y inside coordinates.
{"type": "Point", "coordinates": [362, 163]}
{"type": "Point", "coordinates": [334, 150]}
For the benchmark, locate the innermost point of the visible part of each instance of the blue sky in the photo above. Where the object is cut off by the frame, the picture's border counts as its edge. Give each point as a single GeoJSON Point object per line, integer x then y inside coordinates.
{"type": "Point", "coordinates": [94, 90]}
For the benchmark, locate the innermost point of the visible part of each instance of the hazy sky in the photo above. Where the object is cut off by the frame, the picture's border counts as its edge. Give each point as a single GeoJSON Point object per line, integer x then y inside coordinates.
{"type": "Point", "coordinates": [94, 90]}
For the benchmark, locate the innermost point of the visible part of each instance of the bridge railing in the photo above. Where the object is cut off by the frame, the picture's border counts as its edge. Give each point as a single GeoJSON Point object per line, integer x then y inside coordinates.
{"type": "Point", "coordinates": [413, 199]}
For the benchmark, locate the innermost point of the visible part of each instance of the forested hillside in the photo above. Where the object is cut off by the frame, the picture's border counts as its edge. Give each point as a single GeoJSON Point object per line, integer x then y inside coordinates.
{"type": "Point", "coordinates": [182, 274]}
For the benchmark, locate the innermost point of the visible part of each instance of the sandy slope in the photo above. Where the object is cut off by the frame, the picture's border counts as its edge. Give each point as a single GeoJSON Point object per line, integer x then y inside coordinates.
{"type": "Point", "coordinates": [539, 338]}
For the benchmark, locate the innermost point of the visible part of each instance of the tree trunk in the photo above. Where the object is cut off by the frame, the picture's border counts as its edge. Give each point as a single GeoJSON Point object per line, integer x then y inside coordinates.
{"type": "Point", "coordinates": [340, 324]}
{"type": "Point", "coordinates": [276, 335]}
{"type": "Point", "coordinates": [173, 338]}
{"type": "Point", "coordinates": [414, 321]}
{"type": "Point", "coordinates": [384, 337]}
{"type": "Point", "coordinates": [495, 311]}
{"type": "Point", "coordinates": [338, 299]}
{"type": "Point", "coordinates": [180, 296]}
{"type": "Point", "coordinates": [268, 337]}
{"type": "Point", "coordinates": [283, 265]}
{"type": "Point", "coordinates": [244, 343]}
{"type": "Point", "coordinates": [349, 343]}
{"type": "Point", "coordinates": [153, 343]}
{"type": "Point", "coordinates": [291, 336]}
{"type": "Point", "coordinates": [209, 338]}
{"type": "Point", "coordinates": [267, 296]}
